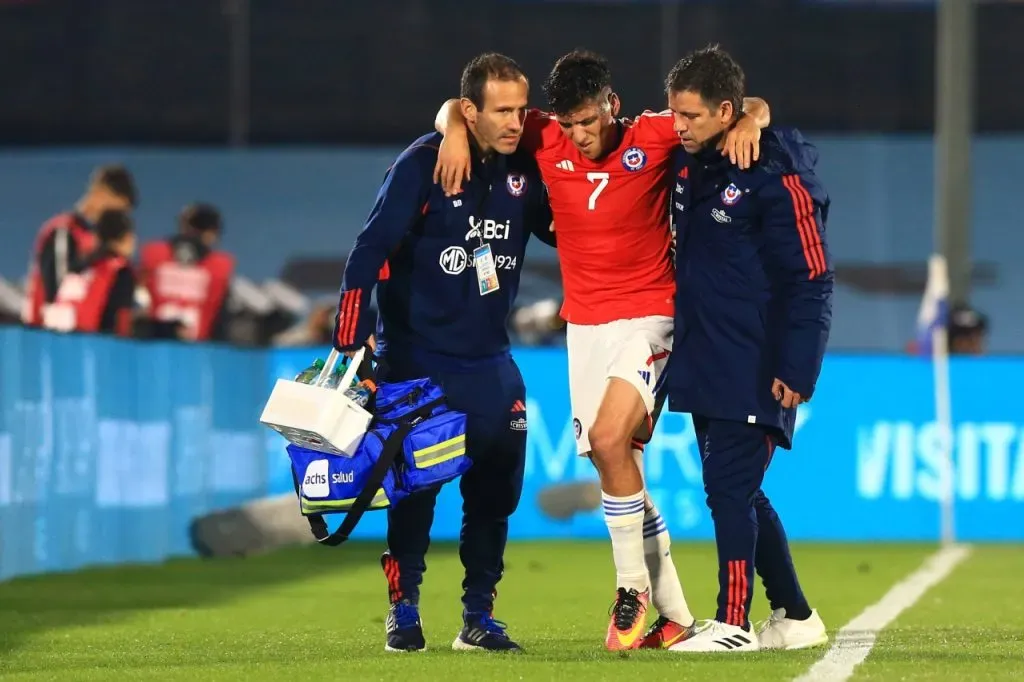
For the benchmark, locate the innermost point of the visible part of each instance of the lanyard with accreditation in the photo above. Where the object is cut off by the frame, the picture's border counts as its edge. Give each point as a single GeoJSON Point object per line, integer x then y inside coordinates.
{"type": "Point", "coordinates": [483, 259]}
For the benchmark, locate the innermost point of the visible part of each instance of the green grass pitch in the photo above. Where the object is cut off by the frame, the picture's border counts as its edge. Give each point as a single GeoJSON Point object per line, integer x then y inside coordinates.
{"type": "Point", "coordinates": [318, 614]}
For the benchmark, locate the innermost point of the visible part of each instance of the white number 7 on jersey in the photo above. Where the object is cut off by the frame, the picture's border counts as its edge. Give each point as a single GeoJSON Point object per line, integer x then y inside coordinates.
{"type": "Point", "coordinates": [603, 177]}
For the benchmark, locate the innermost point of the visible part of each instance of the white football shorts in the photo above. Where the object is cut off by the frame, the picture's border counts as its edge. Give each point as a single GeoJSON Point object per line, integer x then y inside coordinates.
{"type": "Point", "coordinates": [634, 350]}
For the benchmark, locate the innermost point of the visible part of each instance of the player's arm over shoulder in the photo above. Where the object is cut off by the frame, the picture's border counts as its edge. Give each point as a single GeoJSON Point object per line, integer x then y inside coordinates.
{"type": "Point", "coordinates": [539, 126]}
{"type": "Point", "coordinates": [758, 111]}
{"type": "Point", "coordinates": [540, 130]}
{"type": "Point", "coordinates": [661, 124]}
{"type": "Point", "coordinates": [654, 127]}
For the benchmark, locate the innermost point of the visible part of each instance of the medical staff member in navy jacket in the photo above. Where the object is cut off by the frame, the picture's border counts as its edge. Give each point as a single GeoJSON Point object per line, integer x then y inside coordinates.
{"type": "Point", "coordinates": [753, 312]}
{"type": "Point", "coordinates": [447, 271]}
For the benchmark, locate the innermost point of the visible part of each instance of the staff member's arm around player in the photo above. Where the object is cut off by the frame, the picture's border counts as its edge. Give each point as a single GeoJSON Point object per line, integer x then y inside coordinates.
{"type": "Point", "coordinates": [446, 272]}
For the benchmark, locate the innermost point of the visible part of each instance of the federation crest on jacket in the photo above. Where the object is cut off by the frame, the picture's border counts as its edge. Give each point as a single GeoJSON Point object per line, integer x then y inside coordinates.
{"type": "Point", "coordinates": [731, 194]}
{"type": "Point", "coordinates": [516, 184]}
{"type": "Point", "coordinates": [753, 300]}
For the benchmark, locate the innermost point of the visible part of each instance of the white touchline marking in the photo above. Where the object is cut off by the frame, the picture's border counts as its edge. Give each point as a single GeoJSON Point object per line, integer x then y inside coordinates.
{"type": "Point", "coordinates": [854, 641]}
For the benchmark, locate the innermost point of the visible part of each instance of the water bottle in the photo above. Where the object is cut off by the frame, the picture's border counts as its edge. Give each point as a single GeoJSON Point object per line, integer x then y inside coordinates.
{"type": "Point", "coordinates": [335, 377]}
{"type": "Point", "coordinates": [309, 375]}
{"type": "Point", "coordinates": [361, 392]}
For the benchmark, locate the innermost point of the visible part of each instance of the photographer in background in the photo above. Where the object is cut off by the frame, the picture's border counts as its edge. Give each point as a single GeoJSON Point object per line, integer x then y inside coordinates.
{"type": "Point", "coordinates": [99, 295]}
{"type": "Point", "coordinates": [68, 238]}
{"type": "Point", "coordinates": [187, 279]}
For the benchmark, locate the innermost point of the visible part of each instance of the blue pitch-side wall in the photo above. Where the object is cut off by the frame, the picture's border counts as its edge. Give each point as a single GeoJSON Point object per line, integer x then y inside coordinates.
{"type": "Point", "coordinates": [109, 448]}
{"type": "Point", "coordinates": [865, 464]}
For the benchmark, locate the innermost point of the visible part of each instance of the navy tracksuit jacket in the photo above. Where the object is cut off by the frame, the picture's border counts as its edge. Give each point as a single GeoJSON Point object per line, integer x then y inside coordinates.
{"type": "Point", "coordinates": [753, 303]}
{"type": "Point", "coordinates": [754, 283]}
{"type": "Point", "coordinates": [417, 248]}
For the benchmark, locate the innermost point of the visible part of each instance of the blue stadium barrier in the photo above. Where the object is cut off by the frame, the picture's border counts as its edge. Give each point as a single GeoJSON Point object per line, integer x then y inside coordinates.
{"type": "Point", "coordinates": [865, 465]}
{"type": "Point", "coordinates": [109, 448]}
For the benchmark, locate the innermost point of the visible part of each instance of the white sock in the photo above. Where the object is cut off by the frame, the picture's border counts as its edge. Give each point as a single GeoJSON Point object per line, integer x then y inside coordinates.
{"type": "Point", "coordinates": [666, 590]}
{"type": "Point", "coordinates": [624, 517]}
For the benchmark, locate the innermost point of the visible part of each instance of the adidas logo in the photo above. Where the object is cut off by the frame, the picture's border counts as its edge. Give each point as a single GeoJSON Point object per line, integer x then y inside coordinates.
{"type": "Point", "coordinates": [474, 636]}
{"type": "Point", "coordinates": [565, 165]}
{"type": "Point", "coordinates": [645, 375]}
{"type": "Point", "coordinates": [733, 642]}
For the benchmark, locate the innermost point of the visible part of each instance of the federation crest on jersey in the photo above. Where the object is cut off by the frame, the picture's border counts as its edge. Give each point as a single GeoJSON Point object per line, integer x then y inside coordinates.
{"type": "Point", "coordinates": [516, 184]}
{"type": "Point", "coordinates": [634, 159]}
{"type": "Point", "coordinates": [731, 194]}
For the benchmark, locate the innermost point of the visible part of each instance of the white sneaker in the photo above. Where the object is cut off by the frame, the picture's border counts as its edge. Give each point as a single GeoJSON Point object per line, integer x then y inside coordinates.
{"type": "Point", "coordinates": [713, 635]}
{"type": "Point", "coordinates": [779, 632]}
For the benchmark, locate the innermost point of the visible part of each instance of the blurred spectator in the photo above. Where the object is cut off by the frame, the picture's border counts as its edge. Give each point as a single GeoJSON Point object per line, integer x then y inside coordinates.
{"type": "Point", "coordinates": [187, 279]}
{"type": "Point", "coordinates": [67, 239]}
{"type": "Point", "coordinates": [968, 331]}
{"type": "Point", "coordinates": [99, 294]}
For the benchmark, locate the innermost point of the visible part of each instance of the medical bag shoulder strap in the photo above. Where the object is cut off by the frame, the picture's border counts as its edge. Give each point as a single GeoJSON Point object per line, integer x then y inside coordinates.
{"type": "Point", "coordinates": [392, 446]}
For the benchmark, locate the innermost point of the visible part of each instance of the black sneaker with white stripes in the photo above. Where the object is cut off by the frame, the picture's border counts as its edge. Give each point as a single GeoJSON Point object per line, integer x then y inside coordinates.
{"type": "Point", "coordinates": [480, 632]}
{"type": "Point", "coordinates": [404, 628]}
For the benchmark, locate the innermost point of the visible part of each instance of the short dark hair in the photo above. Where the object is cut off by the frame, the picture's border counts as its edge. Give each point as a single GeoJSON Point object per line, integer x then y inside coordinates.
{"type": "Point", "coordinates": [200, 217]}
{"type": "Point", "coordinates": [483, 68]}
{"type": "Point", "coordinates": [118, 180]}
{"type": "Point", "coordinates": [113, 225]}
{"type": "Point", "coordinates": [712, 73]}
{"type": "Point", "coordinates": [576, 78]}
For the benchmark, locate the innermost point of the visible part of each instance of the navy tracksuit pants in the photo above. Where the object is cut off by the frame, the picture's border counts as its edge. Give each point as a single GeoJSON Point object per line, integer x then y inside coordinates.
{"type": "Point", "coordinates": [748, 532]}
{"type": "Point", "coordinates": [493, 397]}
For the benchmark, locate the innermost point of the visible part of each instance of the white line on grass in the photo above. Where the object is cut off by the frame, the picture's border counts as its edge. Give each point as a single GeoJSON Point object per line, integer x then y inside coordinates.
{"type": "Point", "coordinates": [854, 641]}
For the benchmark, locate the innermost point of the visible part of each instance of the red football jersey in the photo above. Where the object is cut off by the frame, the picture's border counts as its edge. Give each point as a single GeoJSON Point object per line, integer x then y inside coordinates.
{"type": "Point", "coordinates": [611, 218]}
